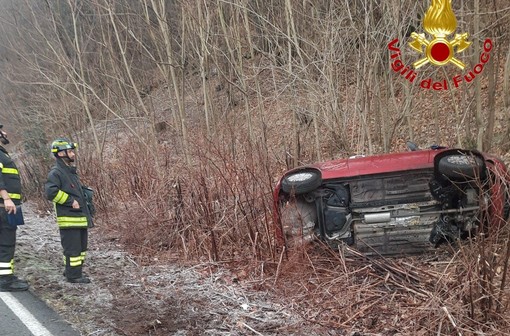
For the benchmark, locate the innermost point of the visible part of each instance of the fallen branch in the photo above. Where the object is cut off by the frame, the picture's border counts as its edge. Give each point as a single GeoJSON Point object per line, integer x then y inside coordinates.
{"type": "Point", "coordinates": [450, 317]}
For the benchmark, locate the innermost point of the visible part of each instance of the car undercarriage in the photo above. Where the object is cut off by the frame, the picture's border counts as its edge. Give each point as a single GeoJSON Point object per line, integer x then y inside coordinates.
{"type": "Point", "coordinates": [395, 212]}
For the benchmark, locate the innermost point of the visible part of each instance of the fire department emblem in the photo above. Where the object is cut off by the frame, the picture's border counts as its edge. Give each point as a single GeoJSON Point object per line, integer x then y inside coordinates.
{"type": "Point", "coordinates": [439, 21]}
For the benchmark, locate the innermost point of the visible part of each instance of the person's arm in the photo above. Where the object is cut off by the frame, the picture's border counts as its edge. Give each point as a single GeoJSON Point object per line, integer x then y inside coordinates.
{"type": "Point", "coordinates": [8, 203]}
{"type": "Point", "coordinates": [53, 192]}
{"type": "Point", "coordinates": [10, 207]}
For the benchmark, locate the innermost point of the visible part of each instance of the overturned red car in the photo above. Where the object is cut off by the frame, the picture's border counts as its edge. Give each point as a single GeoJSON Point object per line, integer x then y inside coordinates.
{"type": "Point", "coordinates": [393, 203]}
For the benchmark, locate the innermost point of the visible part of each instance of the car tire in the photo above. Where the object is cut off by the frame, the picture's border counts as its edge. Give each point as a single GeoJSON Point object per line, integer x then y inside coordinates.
{"type": "Point", "coordinates": [301, 182]}
{"type": "Point", "coordinates": [461, 167]}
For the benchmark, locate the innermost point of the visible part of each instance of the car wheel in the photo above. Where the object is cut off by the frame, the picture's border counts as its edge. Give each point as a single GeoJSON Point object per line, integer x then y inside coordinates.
{"type": "Point", "coordinates": [461, 167]}
{"type": "Point", "coordinates": [302, 182]}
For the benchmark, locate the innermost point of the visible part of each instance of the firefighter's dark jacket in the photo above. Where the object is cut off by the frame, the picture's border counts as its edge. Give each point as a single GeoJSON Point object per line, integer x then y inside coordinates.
{"type": "Point", "coordinates": [9, 178]}
{"type": "Point", "coordinates": [62, 188]}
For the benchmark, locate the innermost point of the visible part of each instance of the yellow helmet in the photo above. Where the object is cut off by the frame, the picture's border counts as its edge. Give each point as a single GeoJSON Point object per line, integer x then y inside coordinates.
{"type": "Point", "coordinates": [62, 144]}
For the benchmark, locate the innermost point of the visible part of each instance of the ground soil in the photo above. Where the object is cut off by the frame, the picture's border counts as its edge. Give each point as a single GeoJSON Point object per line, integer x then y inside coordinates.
{"type": "Point", "coordinates": [128, 298]}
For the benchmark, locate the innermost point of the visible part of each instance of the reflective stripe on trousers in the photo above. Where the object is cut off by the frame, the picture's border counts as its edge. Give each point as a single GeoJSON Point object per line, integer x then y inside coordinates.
{"type": "Point", "coordinates": [7, 268]}
{"type": "Point", "coordinates": [75, 261]}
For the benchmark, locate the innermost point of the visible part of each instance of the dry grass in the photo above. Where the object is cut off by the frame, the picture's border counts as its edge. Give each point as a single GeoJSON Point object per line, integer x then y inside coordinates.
{"type": "Point", "coordinates": [217, 209]}
{"type": "Point", "coordinates": [448, 292]}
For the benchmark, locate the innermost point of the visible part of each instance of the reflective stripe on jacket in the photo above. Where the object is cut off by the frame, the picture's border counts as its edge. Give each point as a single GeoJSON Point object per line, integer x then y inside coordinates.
{"type": "Point", "coordinates": [9, 177]}
{"type": "Point", "coordinates": [62, 188]}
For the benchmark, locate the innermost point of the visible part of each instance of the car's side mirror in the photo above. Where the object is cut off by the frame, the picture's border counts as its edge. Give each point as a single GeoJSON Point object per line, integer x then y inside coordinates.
{"type": "Point", "coordinates": [412, 146]}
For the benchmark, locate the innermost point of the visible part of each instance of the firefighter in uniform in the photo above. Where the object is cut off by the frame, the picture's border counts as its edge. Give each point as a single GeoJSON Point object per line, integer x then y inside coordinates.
{"type": "Point", "coordinates": [64, 189]}
{"type": "Point", "coordinates": [10, 192]}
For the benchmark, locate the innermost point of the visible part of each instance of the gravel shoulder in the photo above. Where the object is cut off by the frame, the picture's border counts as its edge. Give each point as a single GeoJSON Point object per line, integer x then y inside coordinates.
{"type": "Point", "coordinates": [127, 298]}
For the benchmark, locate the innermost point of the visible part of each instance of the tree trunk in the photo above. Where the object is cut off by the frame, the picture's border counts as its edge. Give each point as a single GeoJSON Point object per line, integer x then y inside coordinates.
{"type": "Point", "coordinates": [478, 85]}
{"type": "Point", "coordinates": [506, 97]}
{"type": "Point", "coordinates": [491, 96]}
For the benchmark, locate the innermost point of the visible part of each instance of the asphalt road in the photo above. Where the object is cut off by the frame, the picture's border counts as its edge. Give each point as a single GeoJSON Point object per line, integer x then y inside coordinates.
{"type": "Point", "coordinates": [23, 314]}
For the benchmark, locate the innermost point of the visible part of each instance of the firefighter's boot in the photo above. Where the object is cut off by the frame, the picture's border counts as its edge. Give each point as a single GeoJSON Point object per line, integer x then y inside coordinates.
{"type": "Point", "coordinates": [11, 283]}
